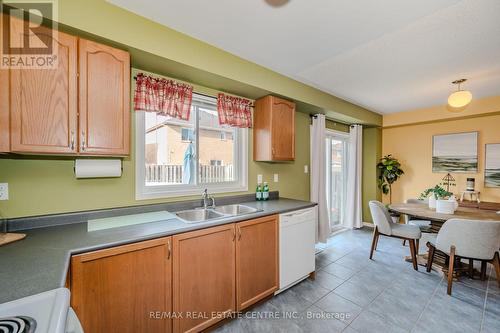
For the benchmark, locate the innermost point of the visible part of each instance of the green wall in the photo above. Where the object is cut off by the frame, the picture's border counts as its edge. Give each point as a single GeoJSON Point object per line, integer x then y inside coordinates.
{"type": "Point", "coordinates": [372, 151]}
{"type": "Point", "coordinates": [157, 48]}
{"type": "Point", "coordinates": [46, 185]}
{"type": "Point", "coordinates": [43, 185]}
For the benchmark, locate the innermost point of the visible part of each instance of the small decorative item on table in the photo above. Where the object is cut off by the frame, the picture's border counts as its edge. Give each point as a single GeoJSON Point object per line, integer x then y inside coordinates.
{"type": "Point", "coordinates": [473, 196]}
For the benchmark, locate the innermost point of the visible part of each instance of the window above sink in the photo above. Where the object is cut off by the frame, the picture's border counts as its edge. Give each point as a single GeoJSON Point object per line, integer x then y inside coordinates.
{"type": "Point", "coordinates": [178, 158]}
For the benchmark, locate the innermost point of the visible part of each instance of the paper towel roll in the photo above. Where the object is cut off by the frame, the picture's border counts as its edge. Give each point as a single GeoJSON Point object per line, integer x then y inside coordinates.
{"type": "Point", "coordinates": [85, 168]}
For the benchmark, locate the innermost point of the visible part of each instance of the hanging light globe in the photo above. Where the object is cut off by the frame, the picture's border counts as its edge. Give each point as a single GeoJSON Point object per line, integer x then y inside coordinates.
{"type": "Point", "coordinates": [460, 99]}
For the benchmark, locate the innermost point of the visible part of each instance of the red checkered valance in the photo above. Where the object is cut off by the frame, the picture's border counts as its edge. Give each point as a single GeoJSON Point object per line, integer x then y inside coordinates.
{"type": "Point", "coordinates": [234, 111]}
{"type": "Point", "coordinates": [163, 96]}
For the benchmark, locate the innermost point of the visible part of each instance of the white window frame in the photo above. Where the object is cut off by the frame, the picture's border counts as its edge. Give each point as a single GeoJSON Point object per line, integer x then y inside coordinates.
{"type": "Point", "coordinates": [143, 192]}
{"type": "Point", "coordinates": [344, 136]}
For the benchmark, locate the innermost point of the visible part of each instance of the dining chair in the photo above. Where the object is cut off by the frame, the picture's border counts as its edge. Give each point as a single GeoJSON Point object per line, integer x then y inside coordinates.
{"type": "Point", "coordinates": [424, 225]}
{"type": "Point", "coordinates": [385, 226]}
{"type": "Point", "coordinates": [466, 239]}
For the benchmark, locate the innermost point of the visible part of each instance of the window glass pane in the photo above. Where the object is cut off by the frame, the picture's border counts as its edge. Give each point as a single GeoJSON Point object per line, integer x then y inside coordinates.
{"type": "Point", "coordinates": [336, 153]}
{"type": "Point", "coordinates": [170, 150]}
{"type": "Point", "coordinates": [216, 149]}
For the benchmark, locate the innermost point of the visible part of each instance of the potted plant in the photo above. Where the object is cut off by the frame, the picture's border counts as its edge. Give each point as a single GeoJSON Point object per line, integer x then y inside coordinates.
{"type": "Point", "coordinates": [435, 193]}
{"type": "Point", "coordinates": [389, 171]}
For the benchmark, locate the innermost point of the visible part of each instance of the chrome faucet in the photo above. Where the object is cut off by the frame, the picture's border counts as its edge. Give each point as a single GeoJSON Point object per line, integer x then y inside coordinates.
{"type": "Point", "coordinates": [206, 198]}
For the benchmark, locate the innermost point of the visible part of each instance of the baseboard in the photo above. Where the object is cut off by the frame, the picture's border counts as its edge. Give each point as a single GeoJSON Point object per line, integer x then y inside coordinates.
{"type": "Point", "coordinates": [368, 224]}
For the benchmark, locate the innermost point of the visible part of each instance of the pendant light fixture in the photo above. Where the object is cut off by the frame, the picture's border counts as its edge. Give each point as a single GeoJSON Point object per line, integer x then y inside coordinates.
{"type": "Point", "coordinates": [460, 99]}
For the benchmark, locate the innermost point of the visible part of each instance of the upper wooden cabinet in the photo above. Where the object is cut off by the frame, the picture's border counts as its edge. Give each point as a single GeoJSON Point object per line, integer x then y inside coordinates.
{"type": "Point", "coordinates": [81, 107]}
{"type": "Point", "coordinates": [274, 130]}
{"type": "Point", "coordinates": [43, 104]}
{"type": "Point", "coordinates": [256, 260]}
{"type": "Point", "coordinates": [115, 290]}
{"type": "Point", "coordinates": [104, 99]}
{"type": "Point", "coordinates": [4, 111]}
{"type": "Point", "coordinates": [204, 285]}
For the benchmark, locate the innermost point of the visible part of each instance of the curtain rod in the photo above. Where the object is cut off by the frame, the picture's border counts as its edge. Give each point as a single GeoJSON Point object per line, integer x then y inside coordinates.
{"type": "Point", "coordinates": [333, 120]}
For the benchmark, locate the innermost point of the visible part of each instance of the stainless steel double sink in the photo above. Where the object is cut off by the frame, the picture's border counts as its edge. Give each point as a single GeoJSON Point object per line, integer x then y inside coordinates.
{"type": "Point", "coordinates": [201, 215]}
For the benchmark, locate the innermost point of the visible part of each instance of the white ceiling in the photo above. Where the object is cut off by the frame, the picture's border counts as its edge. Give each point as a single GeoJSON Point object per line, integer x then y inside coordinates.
{"type": "Point", "coordinates": [385, 55]}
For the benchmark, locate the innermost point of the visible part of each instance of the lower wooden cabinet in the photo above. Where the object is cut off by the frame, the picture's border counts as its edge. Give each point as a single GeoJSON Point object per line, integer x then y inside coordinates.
{"type": "Point", "coordinates": [256, 260]}
{"type": "Point", "coordinates": [124, 289]}
{"type": "Point", "coordinates": [204, 285]}
{"type": "Point", "coordinates": [183, 283]}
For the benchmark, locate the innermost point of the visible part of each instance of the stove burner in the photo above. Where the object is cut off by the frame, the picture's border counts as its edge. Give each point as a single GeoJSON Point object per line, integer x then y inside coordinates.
{"type": "Point", "coordinates": [18, 324]}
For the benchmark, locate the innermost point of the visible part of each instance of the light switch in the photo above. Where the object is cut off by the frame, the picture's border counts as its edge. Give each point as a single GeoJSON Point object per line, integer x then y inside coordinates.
{"type": "Point", "coordinates": [4, 191]}
{"type": "Point", "coordinates": [306, 168]}
{"type": "Point", "coordinates": [276, 178]}
{"type": "Point", "coordinates": [259, 179]}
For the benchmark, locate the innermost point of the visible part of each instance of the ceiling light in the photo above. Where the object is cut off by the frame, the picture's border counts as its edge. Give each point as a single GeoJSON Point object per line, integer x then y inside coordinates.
{"type": "Point", "coordinates": [459, 100]}
{"type": "Point", "coordinates": [277, 3]}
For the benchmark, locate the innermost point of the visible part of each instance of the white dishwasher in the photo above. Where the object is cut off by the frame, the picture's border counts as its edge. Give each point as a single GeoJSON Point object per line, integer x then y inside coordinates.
{"type": "Point", "coordinates": [297, 241]}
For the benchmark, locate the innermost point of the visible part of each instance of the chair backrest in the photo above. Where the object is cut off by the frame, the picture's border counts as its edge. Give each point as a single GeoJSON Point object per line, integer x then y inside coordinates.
{"type": "Point", "coordinates": [381, 217]}
{"type": "Point", "coordinates": [471, 238]}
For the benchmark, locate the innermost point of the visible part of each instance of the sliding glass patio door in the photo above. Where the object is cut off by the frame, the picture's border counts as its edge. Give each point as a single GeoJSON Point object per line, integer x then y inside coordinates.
{"type": "Point", "coordinates": [336, 176]}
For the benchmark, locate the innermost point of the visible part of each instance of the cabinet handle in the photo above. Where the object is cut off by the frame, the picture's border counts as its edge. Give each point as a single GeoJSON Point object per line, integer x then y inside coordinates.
{"type": "Point", "coordinates": [83, 140]}
{"type": "Point", "coordinates": [169, 250]}
{"type": "Point", "coordinates": [72, 141]}
{"type": "Point", "coordinates": [239, 233]}
{"type": "Point", "coordinates": [234, 235]}
{"type": "Point", "coordinates": [273, 151]}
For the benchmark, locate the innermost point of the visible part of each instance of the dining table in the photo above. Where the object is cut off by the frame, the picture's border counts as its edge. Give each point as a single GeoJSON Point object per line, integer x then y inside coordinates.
{"type": "Point", "coordinates": [423, 212]}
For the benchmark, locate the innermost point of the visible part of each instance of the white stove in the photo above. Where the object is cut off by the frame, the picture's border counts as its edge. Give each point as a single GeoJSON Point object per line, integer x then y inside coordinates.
{"type": "Point", "coordinates": [47, 312]}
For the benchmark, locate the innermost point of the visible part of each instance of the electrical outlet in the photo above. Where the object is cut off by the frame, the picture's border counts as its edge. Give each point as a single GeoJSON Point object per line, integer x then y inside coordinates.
{"type": "Point", "coordinates": [259, 179]}
{"type": "Point", "coordinates": [4, 191]}
{"type": "Point", "coordinates": [306, 168]}
{"type": "Point", "coordinates": [276, 178]}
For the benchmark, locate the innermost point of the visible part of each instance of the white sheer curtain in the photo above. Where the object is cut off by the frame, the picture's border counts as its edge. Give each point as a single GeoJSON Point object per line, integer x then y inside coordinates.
{"type": "Point", "coordinates": [318, 176]}
{"type": "Point", "coordinates": [353, 211]}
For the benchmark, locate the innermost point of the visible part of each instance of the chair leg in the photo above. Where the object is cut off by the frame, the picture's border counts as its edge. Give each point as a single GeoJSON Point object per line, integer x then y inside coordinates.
{"type": "Point", "coordinates": [471, 268]}
{"type": "Point", "coordinates": [496, 264]}
{"type": "Point", "coordinates": [430, 258]}
{"type": "Point", "coordinates": [483, 269]}
{"type": "Point", "coordinates": [450, 269]}
{"type": "Point", "coordinates": [413, 254]}
{"type": "Point", "coordinates": [374, 241]}
{"type": "Point", "coordinates": [404, 242]}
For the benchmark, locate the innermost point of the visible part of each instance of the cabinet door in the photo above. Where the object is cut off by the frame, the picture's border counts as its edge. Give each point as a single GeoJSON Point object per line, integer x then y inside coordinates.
{"type": "Point", "coordinates": [204, 277]}
{"type": "Point", "coordinates": [124, 289]}
{"type": "Point", "coordinates": [104, 99]}
{"type": "Point", "coordinates": [43, 103]}
{"type": "Point", "coordinates": [283, 130]}
{"type": "Point", "coordinates": [256, 260]}
{"type": "Point", "coordinates": [4, 111]}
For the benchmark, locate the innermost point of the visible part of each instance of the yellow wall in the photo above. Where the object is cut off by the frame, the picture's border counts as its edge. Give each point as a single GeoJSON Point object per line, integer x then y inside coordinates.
{"type": "Point", "coordinates": [408, 137]}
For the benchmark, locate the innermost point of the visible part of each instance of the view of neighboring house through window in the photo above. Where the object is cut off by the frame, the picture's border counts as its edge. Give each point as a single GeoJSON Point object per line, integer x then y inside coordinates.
{"type": "Point", "coordinates": [187, 134]}
{"type": "Point", "coordinates": [187, 156]}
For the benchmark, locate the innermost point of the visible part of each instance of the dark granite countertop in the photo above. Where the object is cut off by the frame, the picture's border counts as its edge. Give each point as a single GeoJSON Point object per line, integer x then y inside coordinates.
{"type": "Point", "coordinates": [40, 261]}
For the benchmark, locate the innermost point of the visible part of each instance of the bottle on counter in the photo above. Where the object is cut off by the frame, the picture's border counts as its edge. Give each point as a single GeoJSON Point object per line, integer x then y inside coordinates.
{"type": "Point", "coordinates": [258, 192]}
{"type": "Point", "coordinates": [265, 191]}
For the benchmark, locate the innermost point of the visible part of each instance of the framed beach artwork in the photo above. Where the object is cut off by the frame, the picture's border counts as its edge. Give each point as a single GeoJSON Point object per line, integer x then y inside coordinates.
{"type": "Point", "coordinates": [455, 152]}
{"type": "Point", "coordinates": [492, 165]}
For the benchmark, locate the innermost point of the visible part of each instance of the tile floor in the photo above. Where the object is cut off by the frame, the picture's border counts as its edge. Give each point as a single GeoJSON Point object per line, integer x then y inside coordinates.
{"type": "Point", "coordinates": [354, 294]}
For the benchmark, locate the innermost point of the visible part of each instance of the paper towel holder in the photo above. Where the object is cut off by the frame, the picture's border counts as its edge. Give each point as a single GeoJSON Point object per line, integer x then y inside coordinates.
{"type": "Point", "coordinates": [97, 168]}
